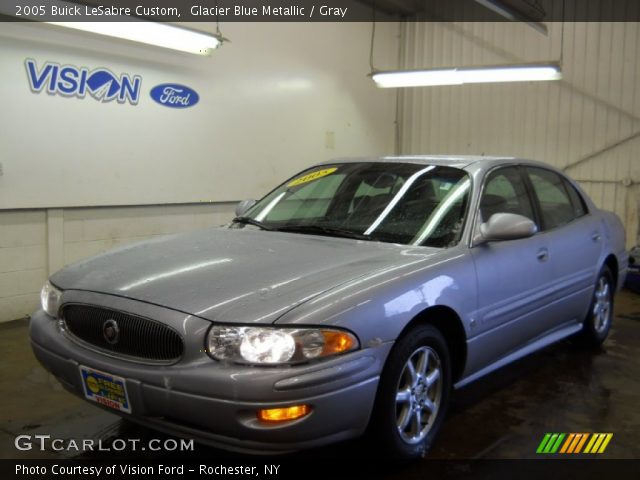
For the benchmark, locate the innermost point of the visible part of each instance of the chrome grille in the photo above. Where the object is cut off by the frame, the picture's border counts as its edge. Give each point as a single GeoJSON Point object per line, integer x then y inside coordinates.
{"type": "Point", "coordinates": [137, 337]}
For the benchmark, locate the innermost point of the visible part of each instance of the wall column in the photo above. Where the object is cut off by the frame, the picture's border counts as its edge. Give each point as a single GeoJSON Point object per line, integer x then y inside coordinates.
{"type": "Point", "coordinates": [55, 240]}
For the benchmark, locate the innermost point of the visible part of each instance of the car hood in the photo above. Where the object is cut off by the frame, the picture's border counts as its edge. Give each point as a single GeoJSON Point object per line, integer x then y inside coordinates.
{"type": "Point", "coordinates": [232, 275]}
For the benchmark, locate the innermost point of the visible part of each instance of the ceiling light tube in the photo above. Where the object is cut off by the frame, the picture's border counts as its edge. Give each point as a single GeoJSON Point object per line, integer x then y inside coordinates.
{"type": "Point", "coordinates": [152, 33]}
{"type": "Point", "coordinates": [465, 75]}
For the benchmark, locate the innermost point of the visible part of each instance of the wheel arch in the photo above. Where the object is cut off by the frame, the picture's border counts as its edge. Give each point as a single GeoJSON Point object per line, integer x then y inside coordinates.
{"type": "Point", "coordinates": [612, 263]}
{"type": "Point", "coordinates": [446, 320]}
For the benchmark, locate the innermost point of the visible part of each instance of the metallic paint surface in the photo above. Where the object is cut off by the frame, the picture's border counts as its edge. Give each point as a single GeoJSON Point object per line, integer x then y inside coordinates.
{"type": "Point", "coordinates": [507, 299]}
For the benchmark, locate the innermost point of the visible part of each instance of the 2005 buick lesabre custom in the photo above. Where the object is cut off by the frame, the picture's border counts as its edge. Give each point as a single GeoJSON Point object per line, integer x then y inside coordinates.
{"type": "Point", "coordinates": [350, 299]}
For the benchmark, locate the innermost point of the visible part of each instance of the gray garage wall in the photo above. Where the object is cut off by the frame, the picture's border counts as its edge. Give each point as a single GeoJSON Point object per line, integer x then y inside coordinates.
{"type": "Point", "coordinates": [34, 243]}
{"type": "Point", "coordinates": [588, 123]}
{"type": "Point", "coordinates": [80, 177]}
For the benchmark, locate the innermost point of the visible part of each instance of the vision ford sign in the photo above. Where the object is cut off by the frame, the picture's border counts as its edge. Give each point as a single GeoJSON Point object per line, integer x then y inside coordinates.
{"type": "Point", "coordinates": [71, 81]}
{"type": "Point", "coordinates": [174, 95]}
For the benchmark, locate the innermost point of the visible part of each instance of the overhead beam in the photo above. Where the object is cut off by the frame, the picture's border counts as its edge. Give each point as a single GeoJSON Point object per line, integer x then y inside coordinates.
{"type": "Point", "coordinates": [512, 14]}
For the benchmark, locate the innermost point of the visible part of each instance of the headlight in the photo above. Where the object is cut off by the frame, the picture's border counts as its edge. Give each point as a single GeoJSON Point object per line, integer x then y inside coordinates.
{"type": "Point", "coordinates": [268, 345]}
{"type": "Point", "coordinates": [50, 299]}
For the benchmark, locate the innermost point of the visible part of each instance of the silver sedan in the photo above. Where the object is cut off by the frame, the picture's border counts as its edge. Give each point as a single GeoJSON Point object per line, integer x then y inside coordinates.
{"type": "Point", "coordinates": [351, 299]}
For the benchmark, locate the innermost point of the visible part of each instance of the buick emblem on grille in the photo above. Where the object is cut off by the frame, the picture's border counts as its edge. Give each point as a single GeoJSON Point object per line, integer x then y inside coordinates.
{"type": "Point", "coordinates": [111, 331]}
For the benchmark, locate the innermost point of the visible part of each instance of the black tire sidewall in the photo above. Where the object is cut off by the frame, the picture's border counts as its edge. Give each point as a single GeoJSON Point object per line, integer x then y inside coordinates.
{"type": "Point", "coordinates": [383, 422]}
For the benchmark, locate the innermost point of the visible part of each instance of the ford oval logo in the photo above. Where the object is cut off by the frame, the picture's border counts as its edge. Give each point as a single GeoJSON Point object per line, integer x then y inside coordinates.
{"type": "Point", "coordinates": [174, 95]}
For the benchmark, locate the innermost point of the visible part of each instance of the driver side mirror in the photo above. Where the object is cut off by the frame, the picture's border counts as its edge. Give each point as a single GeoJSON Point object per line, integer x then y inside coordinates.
{"type": "Point", "coordinates": [244, 206]}
{"type": "Point", "coordinates": [507, 226]}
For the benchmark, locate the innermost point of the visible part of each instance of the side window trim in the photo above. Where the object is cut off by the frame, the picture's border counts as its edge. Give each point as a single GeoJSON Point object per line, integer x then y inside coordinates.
{"type": "Point", "coordinates": [533, 198]}
{"type": "Point", "coordinates": [570, 188]}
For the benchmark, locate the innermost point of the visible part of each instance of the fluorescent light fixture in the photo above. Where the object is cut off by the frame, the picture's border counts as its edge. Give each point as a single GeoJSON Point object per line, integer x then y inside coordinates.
{"type": "Point", "coordinates": [152, 33]}
{"type": "Point", "coordinates": [464, 75]}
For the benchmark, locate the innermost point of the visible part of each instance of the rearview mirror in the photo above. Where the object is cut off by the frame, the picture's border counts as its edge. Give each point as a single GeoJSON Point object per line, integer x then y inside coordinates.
{"type": "Point", "coordinates": [244, 206]}
{"type": "Point", "coordinates": [507, 226]}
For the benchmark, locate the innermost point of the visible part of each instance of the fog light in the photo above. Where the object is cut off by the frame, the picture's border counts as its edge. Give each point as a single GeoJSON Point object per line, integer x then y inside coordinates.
{"type": "Point", "coordinates": [283, 414]}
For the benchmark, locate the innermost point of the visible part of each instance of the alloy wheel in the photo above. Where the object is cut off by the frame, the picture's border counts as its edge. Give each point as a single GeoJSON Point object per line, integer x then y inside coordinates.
{"type": "Point", "coordinates": [419, 395]}
{"type": "Point", "coordinates": [602, 305]}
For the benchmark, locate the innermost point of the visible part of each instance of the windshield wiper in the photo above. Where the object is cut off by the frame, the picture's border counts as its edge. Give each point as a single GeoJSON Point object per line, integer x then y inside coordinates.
{"type": "Point", "coordinates": [312, 229]}
{"type": "Point", "coordinates": [323, 230]}
{"type": "Point", "coordinates": [251, 221]}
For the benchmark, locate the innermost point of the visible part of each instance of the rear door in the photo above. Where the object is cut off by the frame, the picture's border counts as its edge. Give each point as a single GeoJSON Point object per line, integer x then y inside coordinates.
{"type": "Point", "coordinates": [574, 240]}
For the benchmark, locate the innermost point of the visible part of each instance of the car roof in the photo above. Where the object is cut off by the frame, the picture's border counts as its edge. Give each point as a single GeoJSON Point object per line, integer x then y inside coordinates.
{"type": "Point", "coordinates": [467, 162]}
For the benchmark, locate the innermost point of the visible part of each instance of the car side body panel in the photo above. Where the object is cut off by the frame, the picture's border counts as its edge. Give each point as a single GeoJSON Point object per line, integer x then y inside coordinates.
{"type": "Point", "coordinates": [379, 306]}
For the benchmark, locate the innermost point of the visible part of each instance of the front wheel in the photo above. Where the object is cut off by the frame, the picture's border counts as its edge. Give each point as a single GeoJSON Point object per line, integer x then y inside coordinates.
{"type": "Point", "coordinates": [413, 394]}
{"type": "Point", "coordinates": [600, 315]}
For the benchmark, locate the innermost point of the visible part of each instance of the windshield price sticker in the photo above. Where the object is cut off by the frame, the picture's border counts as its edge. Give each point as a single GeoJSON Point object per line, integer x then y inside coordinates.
{"type": "Point", "coordinates": [310, 177]}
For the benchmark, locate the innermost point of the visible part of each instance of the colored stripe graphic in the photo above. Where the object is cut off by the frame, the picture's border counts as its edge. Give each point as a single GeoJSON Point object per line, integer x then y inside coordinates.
{"type": "Point", "coordinates": [573, 443]}
{"type": "Point", "coordinates": [552, 440]}
{"type": "Point", "coordinates": [581, 442]}
{"type": "Point", "coordinates": [567, 443]}
{"type": "Point", "coordinates": [556, 445]}
{"type": "Point", "coordinates": [598, 442]}
{"type": "Point", "coordinates": [550, 443]}
{"type": "Point", "coordinates": [594, 437]}
{"type": "Point", "coordinates": [543, 442]}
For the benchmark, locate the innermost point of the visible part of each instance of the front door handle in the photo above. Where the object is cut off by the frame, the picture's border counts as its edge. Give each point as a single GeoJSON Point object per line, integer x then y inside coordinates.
{"type": "Point", "coordinates": [542, 255]}
{"type": "Point", "coordinates": [595, 237]}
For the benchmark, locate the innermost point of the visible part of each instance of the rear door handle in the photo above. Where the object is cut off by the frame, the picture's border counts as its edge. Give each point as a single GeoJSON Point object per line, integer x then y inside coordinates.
{"type": "Point", "coordinates": [542, 255]}
{"type": "Point", "coordinates": [595, 236]}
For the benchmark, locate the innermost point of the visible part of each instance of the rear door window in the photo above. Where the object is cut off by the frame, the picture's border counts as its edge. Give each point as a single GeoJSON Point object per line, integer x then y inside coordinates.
{"type": "Point", "coordinates": [556, 206]}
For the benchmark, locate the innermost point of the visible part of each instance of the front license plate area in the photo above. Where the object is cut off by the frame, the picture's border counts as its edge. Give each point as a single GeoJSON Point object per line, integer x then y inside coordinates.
{"type": "Point", "coordinates": [104, 388]}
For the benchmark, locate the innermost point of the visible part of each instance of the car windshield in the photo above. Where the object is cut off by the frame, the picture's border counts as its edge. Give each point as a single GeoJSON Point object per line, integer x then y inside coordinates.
{"type": "Point", "coordinates": [404, 203]}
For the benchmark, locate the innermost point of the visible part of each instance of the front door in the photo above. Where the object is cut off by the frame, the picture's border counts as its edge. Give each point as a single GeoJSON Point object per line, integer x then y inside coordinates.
{"type": "Point", "coordinates": [513, 276]}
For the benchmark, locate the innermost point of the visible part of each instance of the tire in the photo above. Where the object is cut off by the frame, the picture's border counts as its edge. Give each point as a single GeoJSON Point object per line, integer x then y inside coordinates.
{"type": "Point", "coordinates": [599, 318]}
{"type": "Point", "coordinates": [410, 406]}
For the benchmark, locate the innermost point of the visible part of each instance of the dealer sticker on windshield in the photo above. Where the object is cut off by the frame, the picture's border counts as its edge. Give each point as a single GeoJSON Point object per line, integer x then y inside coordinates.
{"type": "Point", "coordinates": [105, 389]}
{"type": "Point", "coordinates": [309, 177]}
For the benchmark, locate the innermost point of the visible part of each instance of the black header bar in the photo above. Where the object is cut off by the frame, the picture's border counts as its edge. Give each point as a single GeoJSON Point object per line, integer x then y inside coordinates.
{"type": "Point", "coordinates": [320, 10]}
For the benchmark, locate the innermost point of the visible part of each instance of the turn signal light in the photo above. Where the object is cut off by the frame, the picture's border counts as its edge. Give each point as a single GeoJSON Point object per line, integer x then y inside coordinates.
{"type": "Point", "coordinates": [336, 342]}
{"type": "Point", "coordinates": [283, 414]}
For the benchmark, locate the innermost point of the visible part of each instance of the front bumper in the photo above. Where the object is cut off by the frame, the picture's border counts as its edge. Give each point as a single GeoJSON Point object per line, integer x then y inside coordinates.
{"type": "Point", "coordinates": [216, 403]}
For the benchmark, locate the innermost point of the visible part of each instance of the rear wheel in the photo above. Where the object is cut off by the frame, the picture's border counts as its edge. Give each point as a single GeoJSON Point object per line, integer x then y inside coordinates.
{"type": "Point", "coordinates": [413, 394]}
{"type": "Point", "coordinates": [600, 315]}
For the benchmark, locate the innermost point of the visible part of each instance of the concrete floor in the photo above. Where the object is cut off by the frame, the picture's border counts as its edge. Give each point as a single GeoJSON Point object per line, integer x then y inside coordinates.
{"type": "Point", "coordinates": [505, 415]}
